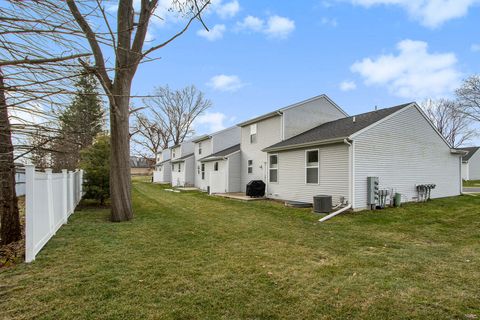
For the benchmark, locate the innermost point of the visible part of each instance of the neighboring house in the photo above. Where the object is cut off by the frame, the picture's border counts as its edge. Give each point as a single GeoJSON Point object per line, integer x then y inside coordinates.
{"type": "Point", "coordinates": [277, 126]}
{"type": "Point", "coordinates": [471, 164]}
{"type": "Point", "coordinates": [208, 145]}
{"type": "Point", "coordinates": [398, 145]}
{"type": "Point", "coordinates": [222, 169]}
{"type": "Point", "coordinates": [183, 165]}
{"type": "Point", "coordinates": [163, 167]}
{"type": "Point", "coordinates": [140, 166]}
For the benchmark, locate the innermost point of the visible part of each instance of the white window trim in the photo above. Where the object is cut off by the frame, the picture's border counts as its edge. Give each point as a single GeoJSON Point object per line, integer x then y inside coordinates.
{"type": "Point", "coordinates": [269, 168]}
{"type": "Point", "coordinates": [249, 166]}
{"type": "Point", "coordinates": [253, 131]}
{"type": "Point", "coordinates": [317, 166]}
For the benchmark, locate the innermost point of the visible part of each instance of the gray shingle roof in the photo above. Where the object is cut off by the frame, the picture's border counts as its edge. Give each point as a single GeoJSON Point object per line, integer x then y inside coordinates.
{"type": "Point", "coordinates": [341, 128]}
{"type": "Point", "coordinates": [471, 152]}
{"type": "Point", "coordinates": [182, 158]}
{"type": "Point", "coordinates": [222, 153]}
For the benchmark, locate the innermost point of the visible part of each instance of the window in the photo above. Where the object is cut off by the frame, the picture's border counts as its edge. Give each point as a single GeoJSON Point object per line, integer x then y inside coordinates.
{"type": "Point", "coordinates": [173, 167]}
{"type": "Point", "coordinates": [311, 166]}
{"type": "Point", "coordinates": [215, 166]}
{"type": "Point", "coordinates": [198, 169]}
{"type": "Point", "coordinates": [180, 167]}
{"type": "Point", "coordinates": [253, 133]}
{"type": "Point", "coordinates": [199, 148]}
{"type": "Point", "coordinates": [160, 168]}
{"type": "Point", "coordinates": [173, 153]}
{"type": "Point", "coordinates": [273, 168]}
{"type": "Point", "coordinates": [203, 171]}
{"type": "Point", "coordinates": [250, 166]}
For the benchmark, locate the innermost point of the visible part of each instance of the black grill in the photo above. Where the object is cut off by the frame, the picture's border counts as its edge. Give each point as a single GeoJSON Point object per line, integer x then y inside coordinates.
{"type": "Point", "coordinates": [256, 188]}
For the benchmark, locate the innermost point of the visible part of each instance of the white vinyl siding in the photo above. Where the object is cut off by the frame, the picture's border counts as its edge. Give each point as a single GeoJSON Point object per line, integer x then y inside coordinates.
{"type": "Point", "coordinates": [164, 173]}
{"type": "Point", "coordinates": [269, 132]}
{"type": "Point", "coordinates": [309, 115]}
{"type": "Point", "coordinates": [474, 166]}
{"type": "Point", "coordinates": [225, 139]}
{"type": "Point", "coordinates": [465, 171]}
{"type": "Point", "coordinates": [403, 151]}
{"type": "Point", "coordinates": [234, 172]}
{"type": "Point", "coordinates": [333, 168]}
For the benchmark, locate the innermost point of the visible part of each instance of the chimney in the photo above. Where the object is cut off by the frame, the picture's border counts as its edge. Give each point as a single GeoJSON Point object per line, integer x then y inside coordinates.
{"type": "Point", "coordinates": [354, 119]}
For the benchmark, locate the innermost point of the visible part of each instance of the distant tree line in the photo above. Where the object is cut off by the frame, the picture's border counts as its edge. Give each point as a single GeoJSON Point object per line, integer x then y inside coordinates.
{"type": "Point", "coordinates": [457, 119]}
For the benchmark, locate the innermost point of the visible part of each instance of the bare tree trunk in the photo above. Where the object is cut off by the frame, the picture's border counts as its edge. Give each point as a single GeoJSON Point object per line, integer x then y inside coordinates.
{"type": "Point", "coordinates": [120, 179]}
{"type": "Point", "coordinates": [10, 230]}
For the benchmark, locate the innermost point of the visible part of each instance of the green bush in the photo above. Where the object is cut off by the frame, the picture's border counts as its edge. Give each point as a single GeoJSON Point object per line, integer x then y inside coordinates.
{"type": "Point", "coordinates": [95, 161]}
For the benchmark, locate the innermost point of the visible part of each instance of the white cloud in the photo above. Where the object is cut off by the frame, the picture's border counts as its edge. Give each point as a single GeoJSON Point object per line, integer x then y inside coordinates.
{"type": "Point", "coordinates": [251, 23]}
{"type": "Point", "coordinates": [212, 121]}
{"type": "Point", "coordinates": [275, 27]}
{"type": "Point", "coordinates": [224, 82]}
{"type": "Point", "coordinates": [430, 13]}
{"type": "Point", "coordinates": [331, 22]}
{"type": "Point", "coordinates": [348, 85]}
{"type": "Point", "coordinates": [279, 27]}
{"type": "Point", "coordinates": [413, 72]}
{"type": "Point", "coordinates": [475, 47]}
{"type": "Point", "coordinates": [214, 33]}
{"type": "Point", "coordinates": [227, 10]}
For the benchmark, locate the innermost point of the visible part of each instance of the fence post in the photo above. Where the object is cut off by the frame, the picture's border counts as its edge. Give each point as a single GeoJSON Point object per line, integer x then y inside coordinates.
{"type": "Point", "coordinates": [81, 184]}
{"type": "Point", "coordinates": [50, 201]}
{"type": "Point", "coordinates": [71, 191]}
{"type": "Point", "coordinates": [29, 212]}
{"type": "Point", "coordinates": [65, 195]}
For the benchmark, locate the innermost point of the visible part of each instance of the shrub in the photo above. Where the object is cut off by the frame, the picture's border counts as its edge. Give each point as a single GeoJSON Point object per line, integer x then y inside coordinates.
{"type": "Point", "coordinates": [95, 161]}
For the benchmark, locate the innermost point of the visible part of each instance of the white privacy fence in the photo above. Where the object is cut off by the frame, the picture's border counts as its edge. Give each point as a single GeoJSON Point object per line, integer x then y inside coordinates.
{"type": "Point", "coordinates": [20, 182]}
{"type": "Point", "coordinates": [50, 198]}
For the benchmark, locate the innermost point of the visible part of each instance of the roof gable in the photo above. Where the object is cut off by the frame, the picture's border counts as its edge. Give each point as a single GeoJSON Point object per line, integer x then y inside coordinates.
{"type": "Point", "coordinates": [337, 129]}
{"type": "Point", "coordinates": [279, 112]}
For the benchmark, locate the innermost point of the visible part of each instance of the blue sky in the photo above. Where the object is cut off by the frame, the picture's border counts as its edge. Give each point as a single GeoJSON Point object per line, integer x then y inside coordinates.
{"type": "Point", "coordinates": [263, 55]}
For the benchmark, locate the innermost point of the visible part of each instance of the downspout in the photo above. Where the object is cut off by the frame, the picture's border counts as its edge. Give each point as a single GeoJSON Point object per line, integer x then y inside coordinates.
{"type": "Point", "coordinates": [351, 172]}
{"type": "Point", "coordinates": [333, 214]}
{"type": "Point", "coordinates": [350, 184]}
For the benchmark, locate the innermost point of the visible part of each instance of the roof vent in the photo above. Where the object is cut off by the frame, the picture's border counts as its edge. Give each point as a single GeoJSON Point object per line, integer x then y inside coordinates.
{"type": "Point", "coordinates": [354, 119]}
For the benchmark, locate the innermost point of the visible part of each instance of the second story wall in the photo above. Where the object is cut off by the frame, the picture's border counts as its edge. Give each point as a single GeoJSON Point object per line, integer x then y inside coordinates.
{"type": "Point", "coordinates": [309, 115]}
{"type": "Point", "coordinates": [225, 139]}
{"type": "Point", "coordinates": [203, 148]}
{"type": "Point", "coordinates": [254, 138]}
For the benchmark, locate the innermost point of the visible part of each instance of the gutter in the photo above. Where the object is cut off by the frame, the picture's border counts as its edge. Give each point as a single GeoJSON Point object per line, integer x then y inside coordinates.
{"type": "Point", "coordinates": [308, 144]}
{"type": "Point", "coordinates": [225, 157]}
{"type": "Point", "coordinates": [257, 119]}
{"type": "Point", "coordinates": [459, 152]}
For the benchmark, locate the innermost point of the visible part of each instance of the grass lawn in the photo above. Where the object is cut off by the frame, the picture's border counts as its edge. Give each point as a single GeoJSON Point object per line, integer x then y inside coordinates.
{"type": "Point", "coordinates": [191, 256]}
{"type": "Point", "coordinates": [471, 183]}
